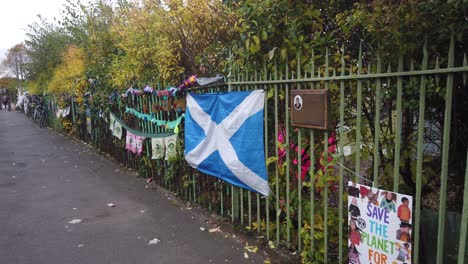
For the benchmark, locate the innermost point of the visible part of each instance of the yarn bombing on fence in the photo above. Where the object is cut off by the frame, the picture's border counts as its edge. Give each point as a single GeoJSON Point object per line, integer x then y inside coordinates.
{"type": "Point", "coordinates": [159, 122]}
{"type": "Point", "coordinates": [174, 91]}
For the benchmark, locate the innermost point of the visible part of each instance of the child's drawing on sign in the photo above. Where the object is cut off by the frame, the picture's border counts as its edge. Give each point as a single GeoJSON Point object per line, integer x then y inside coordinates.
{"type": "Point", "coordinates": [404, 213]}
{"type": "Point", "coordinates": [404, 233]}
{"type": "Point", "coordinates": [354, 210]}
{"type": "Point", "coordinates": [353, 255]}
{"type": "Point", "coordinates": [354, 233]}
{"type": "Point", "coordinates": [353, 190]}
{"type": "Point", "coordinates": [404, 252]}
{"type": "Point", "coordinates": [367, 192]}
{"type": "Point", "coordinates": [388, 202]}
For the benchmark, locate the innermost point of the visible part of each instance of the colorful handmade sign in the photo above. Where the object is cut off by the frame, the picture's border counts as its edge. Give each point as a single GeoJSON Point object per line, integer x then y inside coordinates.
{"type": "Point", "coordinates": [115, 127]}
{"type": "Point", "coordinates": [130, 142]}
{"type": "Point", "coordinates": [139, 144]}
{"type": "Point", "coordinates": [171, 144]}
{"type": "Point", "coordinates": [134, 143]}
{"type": "Point", "coordinates": [157, 148]}
{"type": "Point", "coordinates": [224, 137]}
{"type": "Point", "coordinates": [379, 225]}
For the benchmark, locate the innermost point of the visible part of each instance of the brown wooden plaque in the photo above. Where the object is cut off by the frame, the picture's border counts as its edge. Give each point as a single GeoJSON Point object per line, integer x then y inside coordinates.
{"type": "Point", "coordinates": [310, 108]}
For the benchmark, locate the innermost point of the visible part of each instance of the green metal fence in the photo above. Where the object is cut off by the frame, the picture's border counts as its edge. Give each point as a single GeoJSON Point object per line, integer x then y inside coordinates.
{"type": "Point", "coordinates": [381, 121]}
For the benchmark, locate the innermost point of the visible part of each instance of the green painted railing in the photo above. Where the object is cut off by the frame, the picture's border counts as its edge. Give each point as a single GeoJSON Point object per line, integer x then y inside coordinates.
{"type": "Point", "coordinates": [307, 210]}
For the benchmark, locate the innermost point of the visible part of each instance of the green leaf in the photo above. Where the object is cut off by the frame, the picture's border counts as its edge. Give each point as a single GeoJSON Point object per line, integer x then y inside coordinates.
{"type": "Point", "coordinates": [256, 40]}
{"type": "Point", "coordinates": [271, 160]}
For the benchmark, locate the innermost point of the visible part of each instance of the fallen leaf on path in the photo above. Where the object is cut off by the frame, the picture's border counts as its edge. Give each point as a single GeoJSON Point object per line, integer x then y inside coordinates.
{"type": "Point", "coordinates": [246, 255]}
{"type": "Point", "coordinates": [111, 205]}
{"type": "Point", "coordinates": [154, 241]}
{"type": "Point", "coordinates": [271, 244]}
{"type": "Point", "coordinates": [75, 221]}
{"type": "Point", "coordinates": [216, 229]}
{"type": "Point", "coordinates": [202, 228]}
{"type": "Point", "coordinates": [80, 245]}
{"type": "Point", "coordinates": [267, 262]}
{"type": "Point", "coordinates": [252, 249]}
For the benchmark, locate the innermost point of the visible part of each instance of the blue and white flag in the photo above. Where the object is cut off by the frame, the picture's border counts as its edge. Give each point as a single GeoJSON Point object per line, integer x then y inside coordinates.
{"type": "Point", "coordinates": [224, 137]}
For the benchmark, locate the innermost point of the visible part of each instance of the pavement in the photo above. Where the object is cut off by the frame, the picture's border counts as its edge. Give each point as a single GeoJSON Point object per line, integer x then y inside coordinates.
{"type": "Point", "coordinates": [47, 180]}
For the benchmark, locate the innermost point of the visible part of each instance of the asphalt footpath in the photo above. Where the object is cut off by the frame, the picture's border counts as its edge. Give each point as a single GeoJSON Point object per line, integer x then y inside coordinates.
{"type": "Point", "coordinates": [63, 202]}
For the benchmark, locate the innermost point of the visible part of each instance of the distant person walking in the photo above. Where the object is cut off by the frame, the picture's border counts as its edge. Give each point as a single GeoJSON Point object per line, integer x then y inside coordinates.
{"type": "Point", "coordinates": [6, 100]}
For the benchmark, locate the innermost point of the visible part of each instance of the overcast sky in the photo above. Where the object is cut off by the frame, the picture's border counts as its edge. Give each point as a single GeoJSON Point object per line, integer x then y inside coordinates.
{"type": "Point", "coordinates": [15, 15]}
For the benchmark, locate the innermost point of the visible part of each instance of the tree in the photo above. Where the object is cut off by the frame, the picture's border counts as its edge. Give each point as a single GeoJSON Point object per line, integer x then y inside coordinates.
{"type": "Point", "coordinates": [15, 62]}
{"type": "Point", "coordinates": [69, 75]}
{"type": "Point", "coordinates": [45, 44]}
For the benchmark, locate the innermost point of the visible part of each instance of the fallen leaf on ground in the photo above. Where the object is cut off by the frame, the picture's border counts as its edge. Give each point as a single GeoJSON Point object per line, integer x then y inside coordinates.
{"type": "Point", "coordinates": [267, 262]}
{"type": "Point", "coordinates": [216, 229]}
{"type": "Point", "coordinates": [271, 244]}
{"type": "Point", "coordinates": [142, 211]}
{"type": "Point", "coordinates": [252, 249]}
{"type": "Point", "coordinates": [75, 221]}
{"type": "Point", "coordinates": [202, 228]}
{"type": "Point", "coordinates": [111, 205]}
{"type": "Point", "coordinates": [246, 255]}
{"type": "Point", "coordinates": [80, 245]}
{"type": "Point", "coordinates": [154, 241]}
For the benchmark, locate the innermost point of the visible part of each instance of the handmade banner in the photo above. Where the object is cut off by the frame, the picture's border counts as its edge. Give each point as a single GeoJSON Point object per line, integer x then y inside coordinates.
{"type": "Point", "coordinates": [130, 142]}
{"type": "Point", "coordinates": [171, 143]}
{"type": "Point", "coordinates": [379, 226]}
{"type": "Point", "coordinates": [117, 130]}
{"type": "Point", "coordinates": [224, 137]}
{"type": "Point", "coordinates": [158, 148]}
{"type": "Point", "coordinates": [138, 144]}
{"type": "Point", "coordinates": [151, 118]}
{"type": "Point", "coordinates": [134, 143]}
{"type": "Point", "coordinates": [115, 127]}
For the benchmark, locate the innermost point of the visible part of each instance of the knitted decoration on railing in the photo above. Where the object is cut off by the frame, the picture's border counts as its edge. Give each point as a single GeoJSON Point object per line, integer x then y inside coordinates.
{"type": "Point", "coordinates": [165, 93]}
{"type": "Point", "coordinates": [158, 122]}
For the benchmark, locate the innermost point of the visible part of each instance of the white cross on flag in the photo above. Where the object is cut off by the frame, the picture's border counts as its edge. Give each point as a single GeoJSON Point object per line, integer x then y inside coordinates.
{"type": "Point", "coordinates": [224, 137]}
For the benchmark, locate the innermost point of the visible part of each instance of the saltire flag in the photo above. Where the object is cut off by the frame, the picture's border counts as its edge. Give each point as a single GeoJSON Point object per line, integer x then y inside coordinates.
{"type": "Point", "coordinates": [224, 137]}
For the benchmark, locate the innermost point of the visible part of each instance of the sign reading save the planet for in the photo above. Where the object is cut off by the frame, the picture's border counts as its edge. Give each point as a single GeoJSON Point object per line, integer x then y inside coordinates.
{"type": "Point", "coordinates": [379, 226]}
